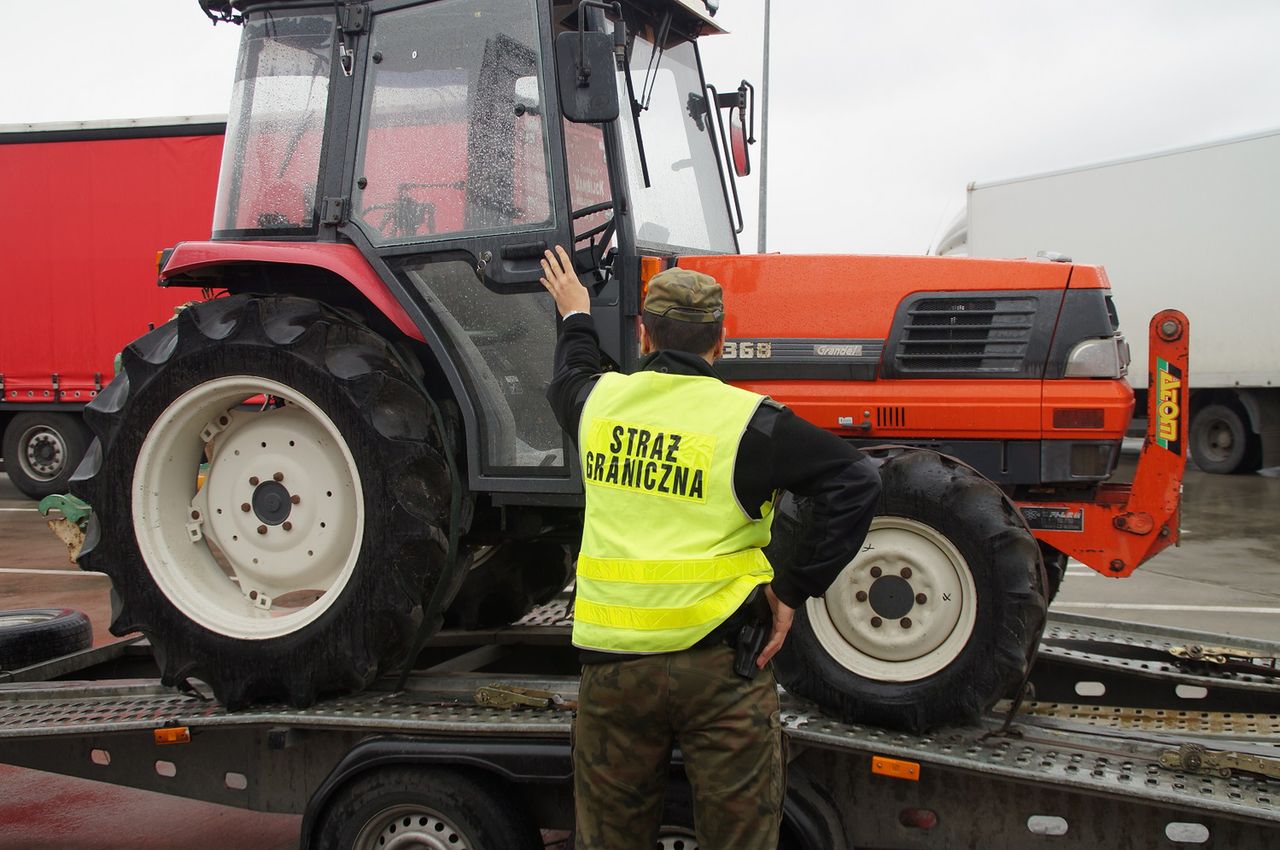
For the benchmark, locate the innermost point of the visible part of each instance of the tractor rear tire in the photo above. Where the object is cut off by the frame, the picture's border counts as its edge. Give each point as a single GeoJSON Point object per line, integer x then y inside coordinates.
{"type": "Point", "coordinates": [933, 621]}
{"type": "Point", "coordinates": [42, 450]}
{"type": "Point", "coordinates": [296, 564]}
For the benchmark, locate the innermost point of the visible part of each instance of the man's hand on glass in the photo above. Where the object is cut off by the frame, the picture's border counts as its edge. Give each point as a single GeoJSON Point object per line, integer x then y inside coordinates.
{"type": "Point", "coordinates": [562, 282]}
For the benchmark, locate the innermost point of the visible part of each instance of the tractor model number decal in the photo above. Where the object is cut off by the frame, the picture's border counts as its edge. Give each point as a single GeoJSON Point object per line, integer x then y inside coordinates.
{"type": "Point", "coordinates": [1168, 406]}
{"type": "Point", "coordinates": [747, 349]}
{"type": "Point", "coordinates": [1054, 519]}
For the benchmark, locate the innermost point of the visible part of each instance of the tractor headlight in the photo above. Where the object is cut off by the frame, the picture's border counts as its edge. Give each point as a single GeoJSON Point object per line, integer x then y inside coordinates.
{"type": "Point", "coordinates": [1103, 357]}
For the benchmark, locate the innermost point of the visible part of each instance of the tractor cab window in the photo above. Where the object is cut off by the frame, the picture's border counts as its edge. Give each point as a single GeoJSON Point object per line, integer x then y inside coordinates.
{"type": "Point", "coordinates": [684, 207]}
{"type": "Point", "coordinates": [452, 138]}
{"type": "Point", "coordinates": [271, 156]}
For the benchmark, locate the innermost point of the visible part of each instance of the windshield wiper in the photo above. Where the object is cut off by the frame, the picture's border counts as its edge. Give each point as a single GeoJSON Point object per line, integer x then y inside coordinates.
{"type": "Point", "coordinates": [655, 59]}
{"type": "Point", "coordinates": [646, 89]}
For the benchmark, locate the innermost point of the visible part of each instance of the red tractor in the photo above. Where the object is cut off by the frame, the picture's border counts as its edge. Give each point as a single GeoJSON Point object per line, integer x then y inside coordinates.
{"type": "Point", "coordinates": [363, 383]}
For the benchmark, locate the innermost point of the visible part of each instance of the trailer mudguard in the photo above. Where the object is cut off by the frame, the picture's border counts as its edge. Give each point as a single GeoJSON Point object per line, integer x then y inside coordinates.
{"type": "Point", "coordinates": [513, 760]}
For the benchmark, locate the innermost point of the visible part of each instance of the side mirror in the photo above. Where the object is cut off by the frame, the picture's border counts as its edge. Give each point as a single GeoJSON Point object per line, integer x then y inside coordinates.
{"type": "Point", "coordinates": [738, 145]}
{"type": "Point", "coordinates": [585, 70]}
{"type": "Point", "coordinates": [741, 104]}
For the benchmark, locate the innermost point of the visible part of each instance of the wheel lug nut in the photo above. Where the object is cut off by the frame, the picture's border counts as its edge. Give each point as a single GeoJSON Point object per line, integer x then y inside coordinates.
{"type": "Point", "coordinates": [921, 599]}
{"type": "Point", "coordinates": [876, 572]}
{"type": "Point", "coordinates": [861, 596]}
{"type": "Point", "coordinates": [906, 572]}
{"type": "Point", "coordinates": [279, 476]}
{"type": "Point", "coordinates": [253, 482]}
{"type": "Point", "coordinates": [876, 622]}
{"type": "Point", "coordinates": [296, 499]}
{"type": "Point", "coordinates": [905, 622]}
{"type": "Point", "coordinates": [287, 526]}
{"type": "Point", "coordinates": [262, 529]}
{"type": "Point", "coordinates": [245, 507]}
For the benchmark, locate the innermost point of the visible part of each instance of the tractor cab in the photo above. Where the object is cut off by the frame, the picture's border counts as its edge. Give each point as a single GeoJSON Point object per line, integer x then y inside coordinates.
{"type": "Point", "coordinates": [431, 136]}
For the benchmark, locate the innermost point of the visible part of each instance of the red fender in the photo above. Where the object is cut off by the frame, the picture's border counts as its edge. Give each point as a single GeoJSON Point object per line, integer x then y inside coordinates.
{"type": "Point", "coordinates": [346, 261]}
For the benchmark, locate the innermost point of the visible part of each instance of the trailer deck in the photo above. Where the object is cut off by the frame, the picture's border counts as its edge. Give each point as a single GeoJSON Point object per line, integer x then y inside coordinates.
{"type": "Point", "coordinates": [1081, 771]}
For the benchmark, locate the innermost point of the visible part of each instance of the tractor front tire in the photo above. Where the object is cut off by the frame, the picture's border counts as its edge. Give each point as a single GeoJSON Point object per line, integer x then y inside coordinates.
{"type": "Point", "coordinates": [932, 622]}
{"type": "Point", "coordinates": [270, 499]}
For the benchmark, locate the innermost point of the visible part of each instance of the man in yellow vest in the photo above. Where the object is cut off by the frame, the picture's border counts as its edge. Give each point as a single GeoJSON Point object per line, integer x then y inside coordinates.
{"type": "Point", "coordinates": [680, 471]}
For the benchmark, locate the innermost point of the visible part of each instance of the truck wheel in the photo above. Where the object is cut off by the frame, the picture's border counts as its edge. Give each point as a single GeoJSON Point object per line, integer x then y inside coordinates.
{"type": "Point", "coordinates": [425, 808]}
{"type": "Point", "coordinates": [507, 581]}
{"type": "Point", "coordinates": [931, 622]}
{"type": "Point", "coordinates": [41, 450]}
{"type": "Point", "coordinates": [1221, 442]}
{"type": "Point", "coordinates": [295, 563]}
{"type": "Point", "coordinates": [31, 635]}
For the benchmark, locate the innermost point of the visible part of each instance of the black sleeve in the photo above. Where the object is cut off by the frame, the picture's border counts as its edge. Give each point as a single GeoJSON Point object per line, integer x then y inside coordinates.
{"type": "Point", "coordinates": [781, 451]}
{"type": "Point", "coordinates": [577, 366]}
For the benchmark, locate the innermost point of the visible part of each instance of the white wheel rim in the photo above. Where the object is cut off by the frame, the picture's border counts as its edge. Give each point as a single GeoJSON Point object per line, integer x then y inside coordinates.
{"type": "Point", "coordinates": [903, 609]}
{"type": "Point", "coordinates": [42, 453]}
{"type": "Point", "coordinates": [16, 619]}
{"type": "Point", "coordinates": [411, 827]}
{"type": "Point", "coordinates": [282, 578]}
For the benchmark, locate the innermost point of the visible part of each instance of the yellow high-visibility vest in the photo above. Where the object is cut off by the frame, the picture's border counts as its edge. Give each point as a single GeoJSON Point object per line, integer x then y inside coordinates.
{"type": "Point", "coordinates": [667, 552]}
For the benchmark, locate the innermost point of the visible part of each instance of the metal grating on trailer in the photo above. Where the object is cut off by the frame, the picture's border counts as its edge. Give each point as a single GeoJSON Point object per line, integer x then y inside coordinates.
{"type": "Point", "coordinates": [1256, 728]}
{"type": "Point", "coordinates": [369, 711]}
{"type": "Point", "coordinates": [1050, 757]}
{"type": "Point", "coordinates": [1123, 765]}
{"type": "Point", "coordinates": [554, 613]}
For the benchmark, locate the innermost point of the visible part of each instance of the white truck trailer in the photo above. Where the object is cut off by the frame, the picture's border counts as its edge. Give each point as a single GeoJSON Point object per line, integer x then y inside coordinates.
{"type": "Point", "coordinates": [1195, 229]}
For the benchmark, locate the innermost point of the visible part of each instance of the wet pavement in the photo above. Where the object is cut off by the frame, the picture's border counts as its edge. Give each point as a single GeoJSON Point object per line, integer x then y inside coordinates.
{"type": "Point", "coordinates": [1224, 578]}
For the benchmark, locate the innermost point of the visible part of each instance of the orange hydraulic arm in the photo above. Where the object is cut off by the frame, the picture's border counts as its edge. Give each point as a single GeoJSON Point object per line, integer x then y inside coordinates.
{"type": "Point", "coordinates": [1125, 524]}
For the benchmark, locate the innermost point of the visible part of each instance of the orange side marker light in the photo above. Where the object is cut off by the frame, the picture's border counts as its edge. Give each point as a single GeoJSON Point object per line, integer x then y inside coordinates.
{"type": "Point", "coordinates": [173, 735]}
{"type": "Point", "coordinates": [895, 768]}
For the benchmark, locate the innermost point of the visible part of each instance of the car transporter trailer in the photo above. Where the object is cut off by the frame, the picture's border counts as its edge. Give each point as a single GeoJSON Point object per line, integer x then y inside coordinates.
{"type": "Point", "coordinates": [1129, 736]}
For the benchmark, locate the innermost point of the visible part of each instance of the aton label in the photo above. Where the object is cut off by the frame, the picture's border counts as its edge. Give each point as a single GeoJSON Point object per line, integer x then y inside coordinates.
{"type": "Point", "coordinates": [1168, 405]}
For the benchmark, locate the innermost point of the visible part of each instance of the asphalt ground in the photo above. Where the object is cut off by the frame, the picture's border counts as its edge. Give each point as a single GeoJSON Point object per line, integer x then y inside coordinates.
{"type": "Point", "coordinates": [1223, 578]}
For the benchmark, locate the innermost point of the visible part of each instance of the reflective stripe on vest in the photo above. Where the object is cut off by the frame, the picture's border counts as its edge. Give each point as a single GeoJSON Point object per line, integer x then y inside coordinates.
{"type": "Point", "coordinates": [667, 553]}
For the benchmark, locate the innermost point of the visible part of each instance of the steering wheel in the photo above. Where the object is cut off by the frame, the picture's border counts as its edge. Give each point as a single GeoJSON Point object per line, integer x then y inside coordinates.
{"type": "Point", "coordinates": [595, 251]}
{"type": "Point", "coordinates": [603, 227]}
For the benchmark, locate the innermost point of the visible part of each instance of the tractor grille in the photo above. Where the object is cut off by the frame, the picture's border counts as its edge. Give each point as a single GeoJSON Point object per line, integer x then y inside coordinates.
{"type": "Point", "coordinates": [966, 334]}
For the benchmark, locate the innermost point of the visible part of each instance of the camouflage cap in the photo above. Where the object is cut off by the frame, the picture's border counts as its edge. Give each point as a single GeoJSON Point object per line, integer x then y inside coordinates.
{"type": "Point", "coordinates": [685, 295]}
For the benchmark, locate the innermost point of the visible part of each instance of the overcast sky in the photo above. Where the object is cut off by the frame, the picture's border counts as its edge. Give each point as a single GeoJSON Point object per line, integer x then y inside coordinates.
{"type": "Point", "coordinates": [882, 112]}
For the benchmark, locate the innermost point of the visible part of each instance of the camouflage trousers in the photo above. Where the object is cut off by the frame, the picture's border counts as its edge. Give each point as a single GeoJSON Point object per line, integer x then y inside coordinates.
{"type": "Point", "coordinates": [630, 713]}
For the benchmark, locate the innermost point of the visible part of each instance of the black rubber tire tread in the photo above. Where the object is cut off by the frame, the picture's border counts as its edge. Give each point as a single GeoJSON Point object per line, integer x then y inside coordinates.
{"type": "Point", "coordinates": [508, 583]}
{"type": "Point", "coordinates": [354, 376]}
{"type": "Point", "coordinates": [60, 631]}
{"type": "Point", "coordinates": [1004, 560]}
{"type": "Point", "coordinates": [1055, 570]}
{"type": "Point", "coordinates": [75, 437]}
{"type": "Point", "coordinates": [487, 815]}
{"type": "Point", "coordinates": [1246, 447]}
